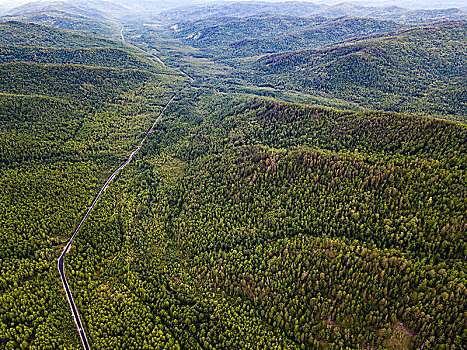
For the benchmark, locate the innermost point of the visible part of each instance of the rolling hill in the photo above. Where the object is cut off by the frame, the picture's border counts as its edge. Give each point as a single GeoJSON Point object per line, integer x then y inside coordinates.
{"type": "Point", "coordinates": [296, 226]}
{"type": "Point", "coordinates": [220, 31]}
{"type": "Point", "coordinates": [72, 106]}
{"type": "Point", "coordinates": [420, 71]}
{"type": "Point", "coordinates": [323, 34]}
{"type": "Point", "coordinates": [307, 9]}
{"type": "Point", "coordinates": [64, 15]}
{"type": "Point", "coordinates": [239, 221]}
{"type": "Point", "coordinates": [253, 36]}
{"type": "Point", "coordinates": [29, 34]}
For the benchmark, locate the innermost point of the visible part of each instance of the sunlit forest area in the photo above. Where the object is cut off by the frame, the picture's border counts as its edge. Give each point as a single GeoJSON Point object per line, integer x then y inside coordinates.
{"type": "Point", "coordinates": [304, 187]}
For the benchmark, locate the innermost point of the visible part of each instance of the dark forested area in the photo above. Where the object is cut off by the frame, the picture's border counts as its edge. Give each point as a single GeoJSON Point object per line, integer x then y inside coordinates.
{"type": "Point", "coordinates": [243, 222]}
{"type": "Point", "coordinates": [243, 226]}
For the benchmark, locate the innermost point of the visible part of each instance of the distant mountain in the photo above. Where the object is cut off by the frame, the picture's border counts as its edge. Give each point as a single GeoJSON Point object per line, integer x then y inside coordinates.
{"type": "Point", "coordinates": [106, 17]}
{"type": "Point", "coordinates": [394, 13]}
{"type": "Point", "coordinates": [252, 36]}
{"type": "Point", "coordinates": [421, 70]}
{"type": "Point", "coordinates": [64, 6]}
{"type": "Point", "coordinates": [306, 9]}
{"type": "Point", "coordinates": [102, 17]}
{"type": "Point", "coordinates": [217, 31]}
{"type": "Point", "coordinates": [107, 8]}
{"type": "Point", "coordinates": [29, 34]}
{"type": "Point", "coordinates": [64, 20]}
{"type": "Point", "coordinates": [64, 15]}
{"type": "Point", "coordinates": [326, 33]}
{"type": "Point", "coordinates": [239, 9]}
{"type": "Point", "coordinates": [413, 4]}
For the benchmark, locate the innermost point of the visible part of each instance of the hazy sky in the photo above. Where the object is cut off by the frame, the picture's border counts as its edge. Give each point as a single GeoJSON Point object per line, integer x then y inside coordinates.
{"type": "Point", "coordinates": [402, 3]}
{"type": "Point", "coordinates": [12, 3]}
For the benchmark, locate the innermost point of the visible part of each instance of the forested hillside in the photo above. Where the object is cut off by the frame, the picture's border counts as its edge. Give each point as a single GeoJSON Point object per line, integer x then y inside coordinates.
{"type": "Point", "coordinates": [419, 71]}
{"type": "Point", "coordinates": [254, 36]}
{"type": "Point", "coordinates": [326, 33]}
{"type": "Point", "coordinates": [28, 34]}
{"type": "Point", "coordinates": [356, 64]}
{"type": "Point", "coordinates": [253, 223]}
{"type": "Point", "coordinates": [100, 57]}
{"type": "Point", "coordinates": [240, 221]}
{"type": "Point", "coordinates": [63, 127]}
{"type": "Point", "coordinates": [219, 31]}
{"type": "Point", "coordinates": [65, 15]}
{"type": "Point", "coordinates": [308, 9]}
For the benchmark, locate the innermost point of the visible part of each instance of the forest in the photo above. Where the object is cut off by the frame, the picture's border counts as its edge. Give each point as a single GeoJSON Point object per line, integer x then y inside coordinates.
{"type": "Point", "coordinates": [408, 71]}
{"type": "Point", "coordinates": [245, 236]}
{"type": "Point", "coordinates": [285, 201]}
{"type": "Point", "coordinates": [30, 34]}
{"type": "Point", "coordinates": [65, 122]}
{"type": "Point", "coordinates": [255, 36]}
{"type": "Point", "coordinates": [350, 63]}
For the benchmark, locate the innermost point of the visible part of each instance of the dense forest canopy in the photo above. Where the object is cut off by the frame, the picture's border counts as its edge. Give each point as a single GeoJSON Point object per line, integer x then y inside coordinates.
{"type": "Point", "coordinates": [420, 71]}
{"type": "Point", "coordinates": [68, 116]}
{"type": "Point", "coordinates": [336, 220]}
{"type": "Point", "coordinates": [255, 36]}
{"type": "Point", "coordinates": [28, 34]}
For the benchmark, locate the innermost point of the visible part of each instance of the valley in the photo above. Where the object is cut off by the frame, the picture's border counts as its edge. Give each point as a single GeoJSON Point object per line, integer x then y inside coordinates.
{"type": "Point", "coordinates": [232, 176]}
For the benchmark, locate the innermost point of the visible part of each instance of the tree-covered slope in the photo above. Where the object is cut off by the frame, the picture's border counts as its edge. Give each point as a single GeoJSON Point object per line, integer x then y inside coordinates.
{"type": "Point", "coordinates": [100, 57]}
{"type": "Point", "coordinates": [220, 31]}
{"type": "Point", "coordinates": [419, 71]}
{"type": "Point", "coordinates": [249, 223]}
{"type": "Point", "coordinates": [28, 34]}
{"type": "Point", "coordinates": [74, 15]}
{"type": "Point", "coordinates": [253, 36]}
{"type": "Point", "coordinates": [242, 222]}
{"type": "Point", "coordinates": [326, 33]}
{"type": "Point", "coordinates": [32, 43]}
{"type": "Point", "coordinates": [68, 117]}
{"type": "Point", "coordinates": [65, 20]}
